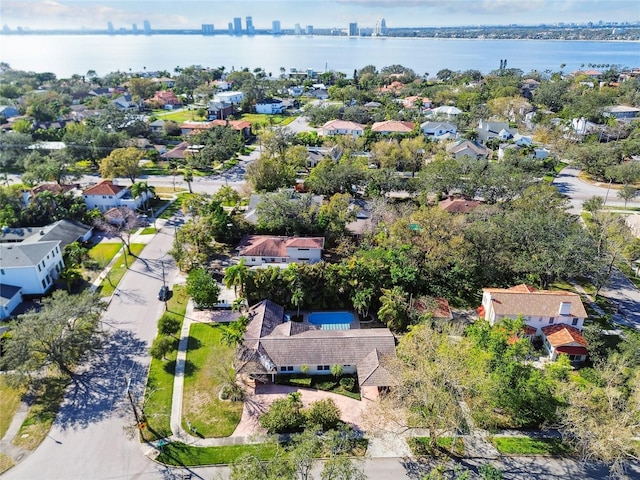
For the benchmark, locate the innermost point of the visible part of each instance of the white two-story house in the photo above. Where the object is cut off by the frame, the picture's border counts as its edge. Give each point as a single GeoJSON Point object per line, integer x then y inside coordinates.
{"type": "Point", "coordinates": [257, 250]}
{"type": "Point", "coordinates": [31, 266]}
{"type": "Point", "coordinates": [105, 195]}
{"type": "Point", "coordinates": [556, 316]}
{"type": "Point", "coordinates": [233, 97]}
{"type": "Point", "coordinates": [270, 106]}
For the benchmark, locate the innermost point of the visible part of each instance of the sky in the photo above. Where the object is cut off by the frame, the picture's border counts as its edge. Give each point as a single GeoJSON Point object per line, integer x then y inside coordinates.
{"type": "Point", "coordinates": [75, 14]}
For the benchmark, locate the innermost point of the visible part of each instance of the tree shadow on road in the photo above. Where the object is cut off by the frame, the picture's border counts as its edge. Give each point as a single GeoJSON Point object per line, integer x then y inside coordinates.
{"type": "Point", "coordinates": [99, 389]}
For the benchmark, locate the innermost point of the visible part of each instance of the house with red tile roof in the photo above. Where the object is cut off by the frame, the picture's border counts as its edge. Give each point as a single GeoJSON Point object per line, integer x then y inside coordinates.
{"type": "Point", "coordinates": [565, 339]}
{"type": "Point", "coordinates": [459, 205]}
{"type": "Point", "coordinates": [393, 126]}
{"type": "Point", "coordinates": [342, 127]}
{"type": "Point", "coordinates": [105, 195]}
{"type": "Point", "coordinates": [262, 250]}
{"type": "Point", "coordinates": [541, 310]}
{"type": "Point", "coordinates": [166, 98]}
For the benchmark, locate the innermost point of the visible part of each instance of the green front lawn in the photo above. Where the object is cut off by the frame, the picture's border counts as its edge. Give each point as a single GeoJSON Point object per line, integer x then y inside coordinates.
{"type": "Point", "coordinates": [10, 402]}
{"type": "Point", "coordinates": [47, 398]}
{"type": "Point", "coordinates": [209, 365]}
{"type": "Point", "coordinates": [182, 454]}
{"type": "Point", "coordinates": [420, 446]}
{"type": "Point", "coordinates": [111, 281]}
{"type": "Point", "coordinates": [531, 446]}
{"type": "Point", "coordinates": [159, 391]}
{"type": "Point", "coordinates": [104, 252]}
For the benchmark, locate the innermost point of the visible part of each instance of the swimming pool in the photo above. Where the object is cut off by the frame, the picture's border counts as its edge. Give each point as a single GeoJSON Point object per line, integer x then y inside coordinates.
{"type": "Point", "coordinates": [331, 320]}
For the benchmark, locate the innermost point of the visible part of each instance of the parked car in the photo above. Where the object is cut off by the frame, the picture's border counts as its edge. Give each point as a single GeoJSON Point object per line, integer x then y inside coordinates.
{"type": "Point", "coordinates": [164, 293]}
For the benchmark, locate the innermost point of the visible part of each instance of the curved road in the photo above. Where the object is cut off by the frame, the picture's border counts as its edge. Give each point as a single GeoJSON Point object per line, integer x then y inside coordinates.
{"type": "Point", "coordinates": [578, 191]}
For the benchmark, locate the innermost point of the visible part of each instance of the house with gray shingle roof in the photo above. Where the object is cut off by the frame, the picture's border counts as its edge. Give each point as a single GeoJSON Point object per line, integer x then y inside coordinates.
{"type": "Point", "coordinates": [272, 345]}
{"type": "Point", "coordinates": [10, 298]}
{"type": "Point", "coordinates": [31, 266]}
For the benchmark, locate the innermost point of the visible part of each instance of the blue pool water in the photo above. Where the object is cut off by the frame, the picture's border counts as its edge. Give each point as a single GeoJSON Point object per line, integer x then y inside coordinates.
{"type": "Point", "coordinates": [331, 320]}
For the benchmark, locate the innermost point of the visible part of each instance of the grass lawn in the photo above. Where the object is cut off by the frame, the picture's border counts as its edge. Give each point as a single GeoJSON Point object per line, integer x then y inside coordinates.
{"type": "Point", "coordinates": [264, 119]}
{"type": "Point", "coordinates": [531, 446]}
{"type": "Point", "coordinates": [148, 231]}
{"type": "Point", "coordinates": [104, 252]}
{"type": "Point", "coordinates": [10, 402]}
{"type": "Point", "coordinates": [180, 116]}
{"type": "Point", "coordinates": [420, 446]}
{"type": "Point", "coordinates": [205, 374]}
{"type": "Point", "coordinates": [6, 463]}
{"type": "Point", "coordinates": [108, 285]}
{"type": "Point", "coordinates": [42, 413]}
{"type": "Point", "coordinates": [183, 454]}
{"type": "Point", "coordinates": [159, 389]}
{"type": "Point", "coordinates": [174, 207]}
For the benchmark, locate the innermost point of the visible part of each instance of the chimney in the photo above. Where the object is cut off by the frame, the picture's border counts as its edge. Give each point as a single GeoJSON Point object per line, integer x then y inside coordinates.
{"type": "Point", "coordinates": [565, 308]}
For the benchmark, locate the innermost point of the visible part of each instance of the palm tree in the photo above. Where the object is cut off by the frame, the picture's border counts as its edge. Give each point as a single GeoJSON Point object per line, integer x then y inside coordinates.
{"type": "Point", "coordinates": [4, 179]}
{"type": "Point", "coordinates": [394, 307]}
{"type": "Point", "coordinates": [297, 298]}
{"type": "Point", "coordinates": [236, 276]}
{"type": "Point", "coordinates": [362, 300]}
{"type": "Point", "coordinates": [143, 189]}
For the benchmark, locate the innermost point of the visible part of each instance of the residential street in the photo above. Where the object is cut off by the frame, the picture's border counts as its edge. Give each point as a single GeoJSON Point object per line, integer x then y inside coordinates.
{"type": "Point", "coordinates": [92, 435]}
{"type": "Point", "coordinates": [569, 184]}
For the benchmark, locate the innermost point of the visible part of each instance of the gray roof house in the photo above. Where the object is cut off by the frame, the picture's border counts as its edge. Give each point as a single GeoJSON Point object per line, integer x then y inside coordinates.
{"type": "Point", "coordinates": [31, 266]}
{"type": "Point", "coordinates": [10, 298]}
{"type": "Point", "coordinates": [274, 345]}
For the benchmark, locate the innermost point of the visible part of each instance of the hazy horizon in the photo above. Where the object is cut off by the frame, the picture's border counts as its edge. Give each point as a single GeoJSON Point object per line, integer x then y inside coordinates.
{"type": "Point", "coordinates": [164, 14]}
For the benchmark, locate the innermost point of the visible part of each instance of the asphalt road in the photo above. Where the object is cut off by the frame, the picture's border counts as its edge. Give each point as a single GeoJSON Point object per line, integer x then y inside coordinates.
{"type": "Point", "coordinates": [569, 184]}
{"type": "Point", "coordinates": [92, 436]}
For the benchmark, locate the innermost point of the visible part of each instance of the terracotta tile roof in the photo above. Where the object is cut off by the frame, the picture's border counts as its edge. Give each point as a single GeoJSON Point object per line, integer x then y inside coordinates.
{"type": "Point", "coordinates": [52, 187]}
{"type": "Point", "coordinates": [395, 126]}
{"type": "Point", "coordinates": [528, 330]}
{"type": "Point", "coordinates": [459, 205]}
{"type": "Point", "coordinates": [342, 125]}
{"type": "Point", "coordinates": [235, 124]}
{"type": "Point", "coordinates": [103, 187]}
{"type": "Point", "coordinates": [268, 246]}
{"type": "Point", "coordinates": [523, 300]}
{"type": "Point", "coordinates": [441, 308]}
{"type": "Point", "coordinates": [560, 335]}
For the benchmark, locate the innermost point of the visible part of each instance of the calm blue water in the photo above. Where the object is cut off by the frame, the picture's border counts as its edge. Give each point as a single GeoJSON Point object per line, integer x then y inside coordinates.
{"type": "Point", "coordinates": [331, 320]}
{"type": "Point", "coordinates": [66, 55]}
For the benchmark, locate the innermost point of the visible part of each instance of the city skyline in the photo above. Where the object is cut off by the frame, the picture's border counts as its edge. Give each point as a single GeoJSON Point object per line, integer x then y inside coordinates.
{"type": "Point", "coordinates": [92, 14]}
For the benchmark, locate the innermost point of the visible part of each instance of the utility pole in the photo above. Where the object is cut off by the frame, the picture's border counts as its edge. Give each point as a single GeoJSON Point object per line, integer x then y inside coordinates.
{"type": "Point", "coordinates": [133, 405]}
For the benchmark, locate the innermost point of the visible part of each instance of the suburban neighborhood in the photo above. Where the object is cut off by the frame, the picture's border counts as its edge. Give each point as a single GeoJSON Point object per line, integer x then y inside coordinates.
{"type": "Point", "coordinates": [264, 275]}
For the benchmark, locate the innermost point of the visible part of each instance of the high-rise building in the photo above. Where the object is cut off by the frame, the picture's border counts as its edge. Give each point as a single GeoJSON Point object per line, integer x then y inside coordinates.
{"type": "Point", "coordinates": [308, 29]}
{"type": "Point", "coordinates": [237, 25]}
{"type": "Point", "coordinates": [381, 28]}
{"type": "Point", "coordinates": [147, 27]}
{"type": "Point", "coordinates": [250, 28]}
{"type": "Point", "coordinates": [275, 27]}
{"type": "Point", "coordinates": [297, 29]}
{"type": "Point", "coordinates": [207, 28]}
{"type": "Point", "coordinates": [353, 29]}
{"type": "Point", "coordinates": [230, 28]}
{"type": "Point", "coordinates": [134, 28]}
{"type": "Point", "coordinates": [110, 27]}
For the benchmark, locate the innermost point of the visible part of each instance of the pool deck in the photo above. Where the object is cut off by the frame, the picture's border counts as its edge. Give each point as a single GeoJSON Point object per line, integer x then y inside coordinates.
{"type": "Point", "coordinates": [355, 325]}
